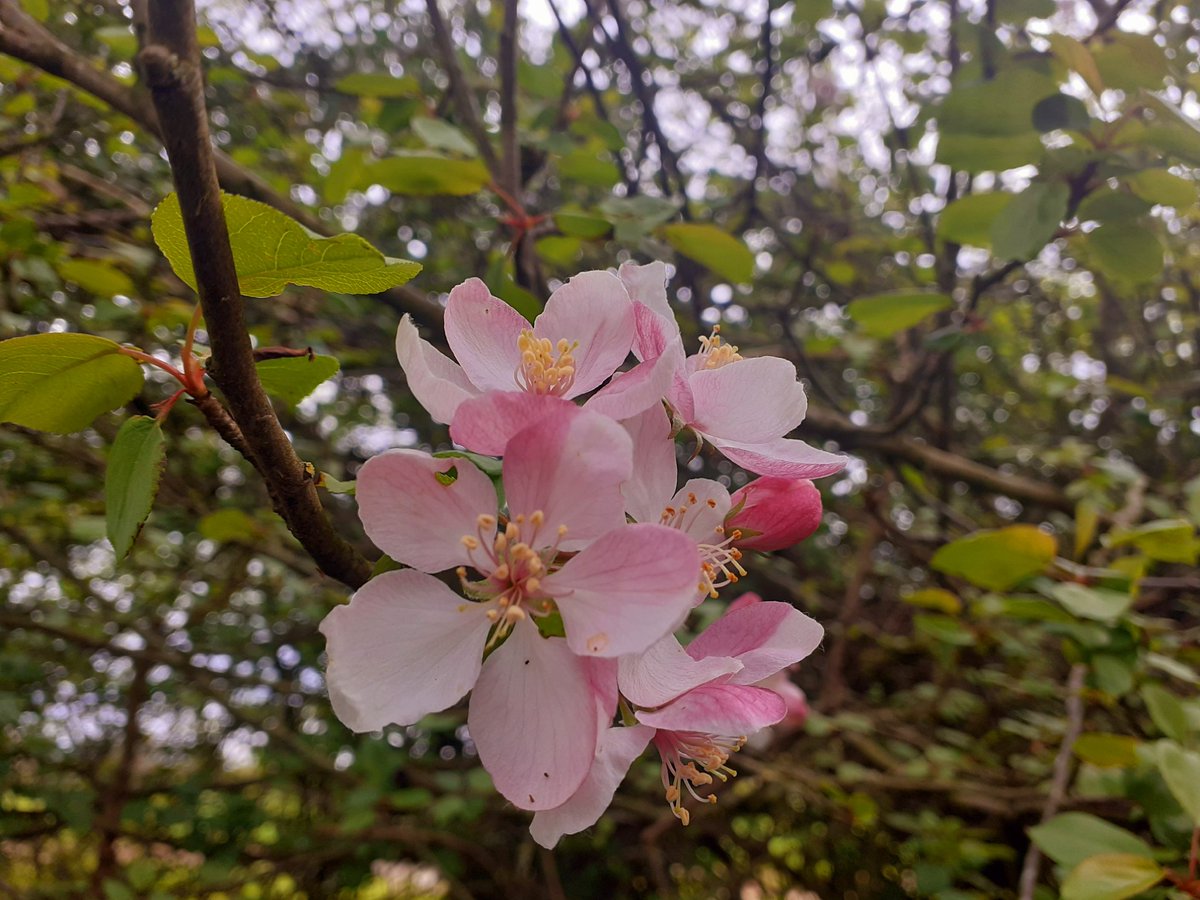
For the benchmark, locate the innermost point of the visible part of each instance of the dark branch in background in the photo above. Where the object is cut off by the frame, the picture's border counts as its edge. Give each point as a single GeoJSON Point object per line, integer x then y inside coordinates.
{"type": "Point", "coordinates": [113, 801]}
{"type": "Point", "coordinates": [464, 100]}
{"type": "Point", "coordinates": [23, 37]}
{"type": "Point", "coordinates": [171, 62]}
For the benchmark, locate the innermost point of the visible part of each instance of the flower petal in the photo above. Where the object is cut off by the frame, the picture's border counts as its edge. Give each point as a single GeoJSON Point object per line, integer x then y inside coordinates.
{"type": "Point", "coordinates": [732, 710]}
{"type": "Point", "coordinates": [650, 487]}
{"type": "Point", "coordinates": [414, 517]}
{"type": "Point", "coordinates": [749, 400]}
{"type": "Point", "coordinates": [594, 309]}
{"type": "Point", "coordinates": [403, 647]}
{"type": "Point", "coordinates": [482, 330]}
{"type": "Point", "coordinates": [570, 465]}
{"type": "Point", "coordinates": [701, 505]}
{"type": "Point", "coordinates": [615, 753]}
{"type": "Point", "coordinates": [775, 513]}
{"type": "Point", "coordinates": [765, 637]}
{"type": "Point", "coordinates": [783, 457]}
{"type": "Point", "coordinates": [648, 285]}
{"type": "Point", "coordinates": [629, 393]}
{"type": "Point", "coordinates": [485, 424]}
{"type": "Point", "coordinates": [533, 719]}
{"type": "Point", "coordinates": [626, 590]}
{"type": "Point", "coordinates": [437, 382]}
{"type": "Point", "coordinates": [666, 671]}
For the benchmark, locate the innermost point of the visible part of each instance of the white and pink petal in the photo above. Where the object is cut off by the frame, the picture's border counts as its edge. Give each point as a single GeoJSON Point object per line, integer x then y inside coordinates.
{"type": "Point", "coordinates": [438, 383]}
{"type": "Point", "coordinates": [592, 310]}
{"type": "Point", "coordinates": [482, 331]}
{"type": "Point", "coordinates": [764, 637]}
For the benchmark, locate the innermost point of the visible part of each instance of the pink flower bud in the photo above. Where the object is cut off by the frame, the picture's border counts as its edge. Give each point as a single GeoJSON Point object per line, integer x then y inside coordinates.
{"type": "Point", "coordinates": [774, 513]}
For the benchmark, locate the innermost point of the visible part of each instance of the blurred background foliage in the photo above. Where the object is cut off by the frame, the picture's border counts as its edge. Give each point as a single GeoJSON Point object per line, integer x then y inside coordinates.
{"type": "Point", "coordinates": [970, 224]}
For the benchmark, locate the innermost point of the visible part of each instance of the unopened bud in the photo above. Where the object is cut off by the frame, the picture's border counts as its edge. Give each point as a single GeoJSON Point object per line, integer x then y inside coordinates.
{"type": "Point", "coordinates": [773, 513]}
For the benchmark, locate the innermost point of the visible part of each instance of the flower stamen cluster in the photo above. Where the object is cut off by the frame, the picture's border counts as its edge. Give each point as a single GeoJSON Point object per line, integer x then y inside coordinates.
{"type": "Point", "coordinates": [690, 760]}
{"type": "Point", "coordinates": [545, 367]}
{"type": "Point", "coordinates": [716, 352]}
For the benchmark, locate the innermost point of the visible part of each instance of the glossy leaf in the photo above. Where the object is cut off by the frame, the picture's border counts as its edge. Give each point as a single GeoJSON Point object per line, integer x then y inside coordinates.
{"type": "Point", "coordinates": [997, 560]}
{"type": "Point", "coordinates": [271, 250]}
{"type": "Point", "coordinates": [711, 247]}
{"type": "Point", "coordinates": [884, 315]}
{"type": "Point", "coordinates": [293, 378]}
{"type": "Point", "coordinates": [62, 382]}
{"type": "Point", "coordinates": [131, 480]}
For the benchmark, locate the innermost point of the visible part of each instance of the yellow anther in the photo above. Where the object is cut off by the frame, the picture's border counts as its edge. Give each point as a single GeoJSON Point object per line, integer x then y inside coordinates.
{"type": "Point", "coordinates": [716, 352]}
{"type": "Point", "coordinates": [562, 531]}
{"type": "Point", "coordinates": [486, 522]}
{"type": "Point", "coordinates": [469, 542]}
{"type": "Point", "coordinates": [501, 571]}
{"type": "Point", "coordinates": [546, 368]}
{"type": "Point", "coordinates": [537, 518]}
{"type": "Point", "coordinates": [532, 584]}
{"type": "Point", "coordinates": [512, 531]}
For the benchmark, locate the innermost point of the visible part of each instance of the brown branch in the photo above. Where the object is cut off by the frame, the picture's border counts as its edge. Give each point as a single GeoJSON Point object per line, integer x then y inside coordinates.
{"type": "Point", "coordinates": [113, 801]}
{"type": "Point", "coordinates": [1062, 773]}
{"type": "Point", "coordinates": [171, 62]}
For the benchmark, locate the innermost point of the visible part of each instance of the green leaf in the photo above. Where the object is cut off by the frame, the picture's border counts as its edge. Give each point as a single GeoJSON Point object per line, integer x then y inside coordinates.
{"type": "Point", "coordinates": [945, 629]}
{"type": "Point", "coordinates": [1112, 206]}
{"type": "Point", "coordinates": [1072, 837]}
{"type": "Point", "coordinates": [718, 250]}
{"type": "Point", "coordinates": [988, 153]}
{"type": "Point", "coordinates": [1161, 187]}
{"type": "Point", "coordinates": [1181, 771]}
{"type": "Point", "coordinates": [442, 135]}
{"type": "Point", "coordinates": [428, 174]}
{"type": "Point", "coordinates": [1100, 604]}
{"type": "Point", "coordinates": [1029, 222]}
{"type": "Point", "coordinates": [271, 250]}
{"type": "Point", "coordinates": [998, 559]}
{"type": "Point", "coordinates": [96, 277]}
{"type": "Point", "coordinates": [1111, 876]}
{"type": "Point", "coordinates": [1131, 61]}
{"type": "Point", "coordinates": [1126, 251]}
{"type": "Point", "coordinates": [364, 84]}
{"type": "Point", "coordinates": [230, 526]}
{"type": "Point", "coordinates": [935, 598]}
{"type": "Point", "coordinates": [1167, 712]}
{"type": "Point", "coordinates": [131, 480]}
{"type": "Point", "coordinates": [1108, 751]}
{"type": "Point", "coordinates": [62, 382]}
{"type": "Point", "coordinates": [884, 315]}
{"type": "Point", "coordinates": [1059, 111]}
{"type": "Point", "coordinates": [969, 220]}
{"type": "Point", "coordinates": [1165, 540]}
{"type": "Point", "coordinates": [1078, 57]}
{"type": "Point", "coordinates": [582, 225]}
{"type": "Point", "coordinates": [1002, 106]}
{"type": "Point", "coordinates": [291, 379]}
{"type": "Point", "coordinates": [586, 167]}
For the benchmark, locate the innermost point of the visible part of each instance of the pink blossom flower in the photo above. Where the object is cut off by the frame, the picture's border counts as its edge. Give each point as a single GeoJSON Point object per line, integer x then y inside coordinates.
{"type": "Point", "coordinates": [406, 645]}
{"type": "Point", "coordinates": [774, 513]}
{"type": "Point", "coordinates": [696, 704]}
{"type": "Point", "coordinates": [742, 406]}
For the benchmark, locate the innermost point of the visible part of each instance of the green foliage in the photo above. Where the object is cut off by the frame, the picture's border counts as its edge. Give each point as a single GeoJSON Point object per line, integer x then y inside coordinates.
{"type": "Point", "coordinates": [1111, 876]}
{"type": "Point", "coordinates": [291, 379]}
{"type": "Point", "coordinates": [1070, 838]}
{"type": "Point", "coordinates": [271, 251]}
{"type": "Point", "coordinates": [999, 559]}
{"type": "Point", "coordinates": [131, 480]}
{"type": "Point", "coordinates": [1028, 221]}
{"type": "Point", "coordinates": [884, 315]}
{"type": "Point", "coordinates": [714, 248]}
{"type": "Point", "coordinates": [63, 382]}
{"type": "Point", "coordinates": [427, 174]}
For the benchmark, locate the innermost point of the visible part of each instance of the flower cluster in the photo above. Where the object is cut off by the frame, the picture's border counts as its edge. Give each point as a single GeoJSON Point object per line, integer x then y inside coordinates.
{"type": "Point", "coordinates": [574, 568]}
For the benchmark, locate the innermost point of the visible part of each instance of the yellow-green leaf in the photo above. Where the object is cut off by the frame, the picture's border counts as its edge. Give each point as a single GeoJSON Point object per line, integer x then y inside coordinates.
{"type": "Point", "coordinates": [291, 379]}
{"type": "Point", "coordinates": [427, 174]}
{"type": "Point", "coordinates": [1165, 540]}
{"type": "Point", "coordinates": [1161, 187]}
{"type": "Point", "coordinates": [969, 219]}
{"type": "Point", "coordinates": [271, 250]}
{"type": "Point", "coordinates": [96, 277]}
{"type": "Point", "coordinates": [1167, 711]}
{"type": "Point", "coordinates": [62, 382]}
{"type": "Point", "coordinates": [997, 560]}
{"type": "Point", "coordinates": [366, 84]}
{"type": "Point", "coordinates": [1181, 771]}
{"type": "Point", "coordinates": [935, 598]}
{"type": "Point", "coordinates": [713, 248]}
{"type": "Point", "coordinates": [1126, 251]}
{"type": "Point", "coordinates": [1107, 751]}
{"type": "Point", "coordinates": [1072, 837]}
{"type": "Point", "coordinates": [884, 315]}
{"type": "Point", "coordinates": [1029, 222]}
{"type": "Point", "coordinates": [1111, 876]}
{"type": "Point", "coordinates": [131, 480]}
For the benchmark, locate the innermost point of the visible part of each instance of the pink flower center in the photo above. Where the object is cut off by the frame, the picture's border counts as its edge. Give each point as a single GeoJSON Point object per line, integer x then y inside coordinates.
{"type": "Point", "coordinates": [512, 569]}
{"type": "Point", "coordinates": [691, 759]}
{"type": "Point", "coordinates": [720, 563]}
{"type": "Point", "coordinates": [716, 352]}
{"type": "Point", "coordinates": [545, 368]}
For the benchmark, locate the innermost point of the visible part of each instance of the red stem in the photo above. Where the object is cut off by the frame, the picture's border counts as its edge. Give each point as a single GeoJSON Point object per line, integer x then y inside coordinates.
{"type": "Point", "coordinates": [144, 357]}
{"type": "Point", "coordinates": [1194, 858]}
{"type": "Point", "coordinates": [195, 377]}
{"type": "Point", "coordinates": [164, 408]}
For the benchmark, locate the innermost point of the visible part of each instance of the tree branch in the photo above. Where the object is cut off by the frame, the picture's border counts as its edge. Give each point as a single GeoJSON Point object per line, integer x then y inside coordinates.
{"type": "Point", "coordinates": [171, 61]}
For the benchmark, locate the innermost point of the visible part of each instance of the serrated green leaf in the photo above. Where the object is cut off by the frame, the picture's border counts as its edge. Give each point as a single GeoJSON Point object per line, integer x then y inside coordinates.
{"type": "Point", "coordinates": [96, 277]}
{"type": "Point", "coordinates": [368, 84]}
{"type": "Point", "coordinates": [1072, 837]}
{"type": "Point", "coordinates": [291, 379]}
{"type": "Point", "coordinates": [441, 135]}
{"type": "Point", "coordinates": [427, 174]}
{"type": "Point", "coordinates": [884, 315]}
{"type": "Point", "coordinates": [1166, 711]}
{"type": "Point", "coordinates": [713, 248]}
{"type": "Point", "coordinates": [62, 382]}
{"type": "Point", "coordinates": [1029, 222]}
{"type": "Point", "coordinates": [1180, 769]}
{"type": "Point", "coordinates": [1111, 876]}
{"type": "Point", "coordinates": [969, 219]}
{"type": "Point", "coordinates": [271, 250]}
{"type": "Point", "coordinates": [131, 480]}
{"type": "Point", "coordinates": [997, 560]}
